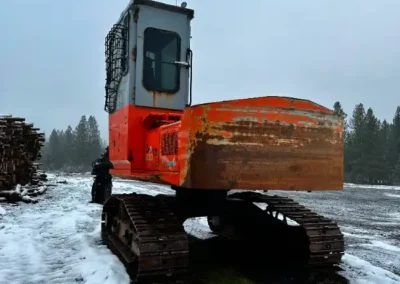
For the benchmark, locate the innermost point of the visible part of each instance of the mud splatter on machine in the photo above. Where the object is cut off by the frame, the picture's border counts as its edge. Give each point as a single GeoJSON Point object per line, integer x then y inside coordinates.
{"type": "Point", "coordinates": [205, 151]}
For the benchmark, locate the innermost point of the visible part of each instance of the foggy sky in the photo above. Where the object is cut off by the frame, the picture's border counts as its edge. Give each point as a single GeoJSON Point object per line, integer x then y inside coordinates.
{"type": "Point", "coordinates": [52, 54]}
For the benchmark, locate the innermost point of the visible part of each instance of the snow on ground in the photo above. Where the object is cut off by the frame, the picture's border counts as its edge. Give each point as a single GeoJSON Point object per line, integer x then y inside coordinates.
{"type": "Point", "coordinates": [369, 217]}
{"type": "Point", "coordinates": [2, 211]}
{"type": "Point", "coordinates": [58, 239]}
{"type": "Point", "coordinates": [198, 227]}
{"type": "Point", "coordinates": [361, 271]}
{"type": "Point", "coordinates": [392, 195]}
{"type": "Point", "coordinates": [361, 186]}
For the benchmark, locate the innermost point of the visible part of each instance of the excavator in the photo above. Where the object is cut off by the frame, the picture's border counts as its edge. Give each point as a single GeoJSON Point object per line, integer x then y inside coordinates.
{"type": "Point", "coordinates": [221, 159]}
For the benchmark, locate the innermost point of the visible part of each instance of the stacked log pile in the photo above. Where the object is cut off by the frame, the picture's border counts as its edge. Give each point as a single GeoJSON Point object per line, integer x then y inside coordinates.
{"type": "Point", "coordinates": [20, 145]}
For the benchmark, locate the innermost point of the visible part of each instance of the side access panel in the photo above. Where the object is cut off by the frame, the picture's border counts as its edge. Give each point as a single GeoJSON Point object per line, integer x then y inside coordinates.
{"type": "Point", "coordinates": [261, 143]}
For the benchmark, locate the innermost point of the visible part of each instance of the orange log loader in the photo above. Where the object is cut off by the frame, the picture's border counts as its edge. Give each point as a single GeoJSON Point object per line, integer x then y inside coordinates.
{"type": "Point", "coordinates": [218, 157]}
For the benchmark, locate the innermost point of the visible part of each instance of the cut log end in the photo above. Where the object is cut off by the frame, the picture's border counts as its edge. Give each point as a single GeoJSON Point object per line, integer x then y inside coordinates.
{"type": "Point", "coordinates": [20, 145]}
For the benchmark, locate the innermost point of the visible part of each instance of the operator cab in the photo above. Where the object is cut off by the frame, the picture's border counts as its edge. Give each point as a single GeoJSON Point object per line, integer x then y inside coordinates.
{"type": "Point", "coordinates": [148, 57]}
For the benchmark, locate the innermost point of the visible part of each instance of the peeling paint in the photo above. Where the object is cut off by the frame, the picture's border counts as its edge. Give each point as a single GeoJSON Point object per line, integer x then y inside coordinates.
{"type": "Point", "coordinates": [258, 145]}
{"type": "Point", "coordinates": [246, 118]}
{"type": "Point", "coordinates": [169, 163]}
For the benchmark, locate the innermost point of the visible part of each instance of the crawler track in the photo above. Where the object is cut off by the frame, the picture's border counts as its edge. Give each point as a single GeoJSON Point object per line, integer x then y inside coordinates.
{"type": "Point", "coordinates": [325, 240]}
{"type": "Point", "coordinates": [146, 236]}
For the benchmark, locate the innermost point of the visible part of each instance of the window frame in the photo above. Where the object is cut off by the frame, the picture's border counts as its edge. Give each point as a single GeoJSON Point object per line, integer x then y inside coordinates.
{"type": "Point", "coordinates": [178, 56]}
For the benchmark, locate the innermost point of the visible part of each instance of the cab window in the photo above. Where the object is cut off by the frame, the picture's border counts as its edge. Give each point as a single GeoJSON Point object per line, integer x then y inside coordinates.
{"type": "Point", "coordinates": [161, 50]}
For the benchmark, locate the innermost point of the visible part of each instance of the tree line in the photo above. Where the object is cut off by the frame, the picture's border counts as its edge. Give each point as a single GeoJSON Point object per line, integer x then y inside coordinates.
{"type": "Point", "coordinates": [73, 150]}
{"type": "Point", "coordinates": [371, 146]}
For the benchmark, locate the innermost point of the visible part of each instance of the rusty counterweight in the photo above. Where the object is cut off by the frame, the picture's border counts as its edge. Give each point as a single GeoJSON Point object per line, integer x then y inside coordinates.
{"type": "Point", "coordinates": [262, 143]}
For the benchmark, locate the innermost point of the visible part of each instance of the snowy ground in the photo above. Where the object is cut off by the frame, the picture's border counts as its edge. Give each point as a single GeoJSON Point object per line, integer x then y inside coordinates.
{"type": "Point", "coordinates": [369, 217]}
{"type": "Point", "coordinates": [58, 239]}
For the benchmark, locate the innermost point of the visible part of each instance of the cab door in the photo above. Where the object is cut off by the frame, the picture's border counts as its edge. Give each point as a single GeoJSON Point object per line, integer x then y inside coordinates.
{"type": "Point", "coordinates": [163, 42]}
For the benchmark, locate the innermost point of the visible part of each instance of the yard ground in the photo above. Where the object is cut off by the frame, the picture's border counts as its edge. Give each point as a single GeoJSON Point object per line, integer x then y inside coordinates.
{"type": "Point", "coordinates": [58, 239]}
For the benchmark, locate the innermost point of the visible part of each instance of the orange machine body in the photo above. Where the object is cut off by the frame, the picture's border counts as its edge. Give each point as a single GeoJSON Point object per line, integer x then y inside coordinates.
{"type": "Point", "coordinates": [258, 143]}
{"type": "Point", "coordinates": [203, 151]}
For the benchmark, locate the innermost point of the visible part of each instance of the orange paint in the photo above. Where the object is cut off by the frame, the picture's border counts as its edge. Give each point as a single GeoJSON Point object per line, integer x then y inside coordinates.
{"type": "Point", "coordinates": [133, 132]}
{"type": "Point", "coordinates": [191, 148]}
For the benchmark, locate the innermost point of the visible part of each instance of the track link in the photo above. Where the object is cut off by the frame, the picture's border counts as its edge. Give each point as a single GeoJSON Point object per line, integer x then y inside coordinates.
{"type": "Point", "coordinates": [146, 236]}
{"type": "Point", "coordinates": [325, 240]}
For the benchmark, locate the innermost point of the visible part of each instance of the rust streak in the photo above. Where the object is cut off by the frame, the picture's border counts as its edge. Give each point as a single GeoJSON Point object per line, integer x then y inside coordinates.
{"type": "Point", "coordinates": [255, 155]}
{"type": "Point", "coordinates": [287, 145]}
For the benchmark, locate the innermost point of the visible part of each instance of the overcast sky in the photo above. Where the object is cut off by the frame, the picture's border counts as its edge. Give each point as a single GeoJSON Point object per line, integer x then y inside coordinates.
{"type": "Point", "coordinates": [52, 54]}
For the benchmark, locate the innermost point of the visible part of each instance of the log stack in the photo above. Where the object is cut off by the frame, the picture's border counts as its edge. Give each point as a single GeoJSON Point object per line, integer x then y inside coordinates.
{"type": "Point", "coordinates": [20, 145]}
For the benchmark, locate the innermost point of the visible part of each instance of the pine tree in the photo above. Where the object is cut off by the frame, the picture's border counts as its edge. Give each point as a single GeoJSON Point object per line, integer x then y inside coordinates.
{"type": "Point", "coordinates": [69, 146]}
{"type": "Point", "coordinates": [94, 139]}
{"type": "Point", "coordinates": [338, 110]}
{"type": "Point", "coordinates": [385, 136]}
{"type": "Point", "coordinates": [356, 144]}
{"type": "Point", "coordinates": [372, 155]}
{"type": "Point", "coordinates": [61, 152]}
{"type": "Point", "coordinates": [396, 173]}
{"type": "Point", "coordinates": [54, 150]}
{"type": "Point", "coordinates": [46, 156]}
{"type": "Point", "coordinates": [395, 145]}
{"type": "Point", "coordinates": [73, 150]}
{"type": "Point", "coordinates": [81, 143]}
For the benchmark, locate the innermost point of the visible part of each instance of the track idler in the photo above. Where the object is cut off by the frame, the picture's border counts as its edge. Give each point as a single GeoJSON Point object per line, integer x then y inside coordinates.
{"type": "Point", "coordinates": [146, 236]}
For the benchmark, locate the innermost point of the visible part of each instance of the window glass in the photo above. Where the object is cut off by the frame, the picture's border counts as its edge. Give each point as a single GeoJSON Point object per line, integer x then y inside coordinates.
{"type": "Point", "coordinates": [161, 50]}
